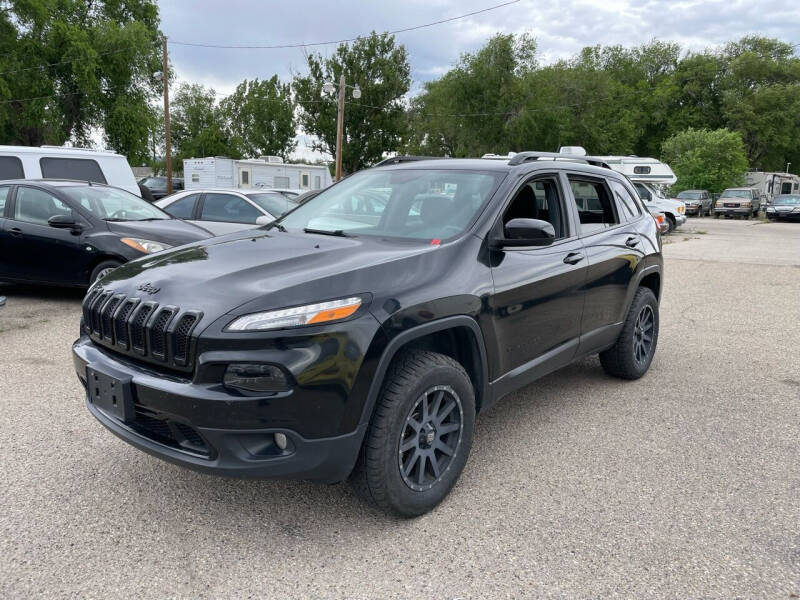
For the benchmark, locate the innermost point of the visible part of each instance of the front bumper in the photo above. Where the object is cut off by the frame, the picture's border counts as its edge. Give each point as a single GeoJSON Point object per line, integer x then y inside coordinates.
{"type": "Point", "coordinates": [785, 214]}
{"type": "Point", "coordinates": [731, 212]}
{"type": "Point", "coordinates": [693, 210]}
{"type": "Point", "coordinates": [202, 425]}
{"type": "Point", "coordinates": [680, 220]}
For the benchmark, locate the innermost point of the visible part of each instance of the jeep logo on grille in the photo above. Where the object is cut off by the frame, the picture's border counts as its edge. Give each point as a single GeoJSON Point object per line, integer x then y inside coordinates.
{"type": "Point", "coordinates": [148, 288]}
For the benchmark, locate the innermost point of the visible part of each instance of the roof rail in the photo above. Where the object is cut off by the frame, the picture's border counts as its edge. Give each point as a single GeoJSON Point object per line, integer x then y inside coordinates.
{"type": "Point", "coordinates": [523, 157]}
{"type": "Point", "coordinates": [76, 148]}
{"type": "Point", "coordinates": [396, 160]}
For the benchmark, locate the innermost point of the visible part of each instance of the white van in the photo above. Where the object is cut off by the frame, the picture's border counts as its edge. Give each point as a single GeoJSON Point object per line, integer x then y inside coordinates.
{"type": "Point", "coordinates": [56, 162]}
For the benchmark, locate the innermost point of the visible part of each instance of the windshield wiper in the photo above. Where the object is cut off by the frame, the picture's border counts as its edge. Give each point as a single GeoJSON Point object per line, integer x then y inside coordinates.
{"type": "Point", "coordinates": [153, 219]}
{"type": "Point", "coordinates": [277, 226]}
{"type": "Point", "coordinates": [115, 219]}
{"type": "Point", "coordinates": [336, 232]}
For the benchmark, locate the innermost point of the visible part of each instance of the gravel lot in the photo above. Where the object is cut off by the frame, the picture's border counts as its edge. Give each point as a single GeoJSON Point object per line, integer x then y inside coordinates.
{"type": "Point", "coordinates": [685, 483]}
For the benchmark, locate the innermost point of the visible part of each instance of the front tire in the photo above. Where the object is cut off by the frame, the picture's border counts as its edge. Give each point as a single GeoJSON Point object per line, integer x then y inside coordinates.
{"type": "Point", "coordinates": [420, 435]}
{"type": "Point", "coordinates": [103, 269]}
{"type": "Point", "coordinates": [671, 224]}
{"type": "Point", "coordinates": [631, 355]}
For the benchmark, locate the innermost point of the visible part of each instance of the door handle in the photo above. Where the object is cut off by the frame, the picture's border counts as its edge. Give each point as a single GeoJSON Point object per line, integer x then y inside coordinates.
{"type": "Point", "coordinates": [16, 231]}
{"type": "Point", "coordinates": [573, 258]}
{"type": "Point", "coordinates": [632, 241]}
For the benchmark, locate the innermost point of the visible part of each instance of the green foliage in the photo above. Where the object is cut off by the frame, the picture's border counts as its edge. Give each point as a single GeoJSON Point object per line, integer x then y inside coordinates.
{"type": "Point", "coordinates": [197, 124]}
{"type": "Point", "coordinates": [68, 67]}
{"type": "Point", "coordinates": [373, 124]}
{"type": "Point", "coordinates": [705, 159]}
{"type": "Point", "coordinates": [612, 100]}
{"type": "Point", "coordinates": [260, 117]}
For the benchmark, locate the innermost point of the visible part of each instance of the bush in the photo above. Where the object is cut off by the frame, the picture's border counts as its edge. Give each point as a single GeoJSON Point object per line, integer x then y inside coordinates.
{"type": "Point", "coordinates": [705, 159]}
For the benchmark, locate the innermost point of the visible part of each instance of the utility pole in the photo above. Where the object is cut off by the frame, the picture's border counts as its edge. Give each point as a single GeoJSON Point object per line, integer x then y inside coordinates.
{"type": "Point", "coordinates": [340, 129]}
{"type": "Point", "coordinates": [165, 79]}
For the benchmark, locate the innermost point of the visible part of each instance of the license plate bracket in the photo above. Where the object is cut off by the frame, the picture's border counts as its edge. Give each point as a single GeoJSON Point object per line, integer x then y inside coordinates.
{"type": "Point", "coordinates": [111, 391]}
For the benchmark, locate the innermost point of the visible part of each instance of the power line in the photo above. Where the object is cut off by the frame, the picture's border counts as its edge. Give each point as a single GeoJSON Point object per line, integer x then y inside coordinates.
{"type": "Point", "coordinates": [344, 41]}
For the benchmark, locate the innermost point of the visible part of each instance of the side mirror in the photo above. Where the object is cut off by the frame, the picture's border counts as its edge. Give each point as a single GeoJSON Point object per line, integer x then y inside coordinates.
{"type": "Point", "coordinates": [263, 220]}
{"type": "Point", "coordinates": [63, 222]}
{"type": "Point", "coordinates": [527, 232]}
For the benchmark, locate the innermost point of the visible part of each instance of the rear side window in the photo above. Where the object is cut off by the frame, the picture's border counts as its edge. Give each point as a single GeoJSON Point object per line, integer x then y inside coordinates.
{"type": "Point", "coordinates": [595, 207]}
{"type": "Point", "coordinates": [627, 204]}
{"type": "Point", "coordinates": [82, 169]}
{"type": "Point", "coordinates": [228, 209]}
{"type": "Point", "coordinates": [3, 195]}
{"type": "Point", "coordinates": [11, 168]}
{"type": "Point", "coordinates": [183, 208]}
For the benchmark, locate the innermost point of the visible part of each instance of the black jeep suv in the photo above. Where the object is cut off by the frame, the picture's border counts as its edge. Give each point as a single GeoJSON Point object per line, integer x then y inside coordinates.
{"type": "Point", "coordinates": [361, 333]}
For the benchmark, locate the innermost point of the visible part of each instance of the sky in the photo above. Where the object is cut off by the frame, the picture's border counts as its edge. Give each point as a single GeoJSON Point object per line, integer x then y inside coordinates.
{"type": "Point", "coordinates": [560, 28]}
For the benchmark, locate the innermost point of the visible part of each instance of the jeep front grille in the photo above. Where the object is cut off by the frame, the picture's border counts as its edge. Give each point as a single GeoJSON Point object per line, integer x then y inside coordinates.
{"type": "Point", "coordinates": [141, 330]}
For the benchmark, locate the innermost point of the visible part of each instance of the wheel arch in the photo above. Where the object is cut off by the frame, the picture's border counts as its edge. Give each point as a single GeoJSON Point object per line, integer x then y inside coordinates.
{"type": "Point", "coordinates": [457, 336]}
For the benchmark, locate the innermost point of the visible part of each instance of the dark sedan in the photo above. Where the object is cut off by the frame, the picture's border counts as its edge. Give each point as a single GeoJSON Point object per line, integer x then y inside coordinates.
{"type": "Point", "coordinates": [784, 206]}
{"type": "Point", "coordinates": [72, 233]}
{"type": "Point", "coordinates": [158, 186]}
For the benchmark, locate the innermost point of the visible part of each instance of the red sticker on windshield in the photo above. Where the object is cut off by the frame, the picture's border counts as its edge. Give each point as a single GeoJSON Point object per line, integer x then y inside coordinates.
{"type": "Point", "coordinates": [436, 242]}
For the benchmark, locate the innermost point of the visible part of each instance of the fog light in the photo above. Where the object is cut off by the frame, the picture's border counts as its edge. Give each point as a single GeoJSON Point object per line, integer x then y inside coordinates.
{"type": "Point", "coordinates": [281, 441]}
{"type": "Point", "coordinates": [255, 378]}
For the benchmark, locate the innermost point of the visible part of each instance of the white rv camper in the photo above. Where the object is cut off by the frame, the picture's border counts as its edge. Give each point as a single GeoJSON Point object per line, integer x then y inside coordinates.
{"type": "Point", "coordinates": [253, 173]}
{"type": "Point", "coordinates": [770, 185]}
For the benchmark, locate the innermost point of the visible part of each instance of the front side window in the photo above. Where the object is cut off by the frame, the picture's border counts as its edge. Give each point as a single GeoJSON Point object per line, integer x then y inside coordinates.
{"type": "Point", "coordinates": [82, 169]}
{"type": "Point", "coordinates": [228, 208]}
{"type": "Point", "coordinates": [538, 199]}
{"type": "Point", "coordinates": [644, 193]}
{"type": "Point", "coordinates": [37, 206]}
{"type": "Point", "coordinates": [11, 168]}
{"type": "Point", "coordinates": [595, 207]}
{"type": "Point", "coordinates": [405, 203]}
{"type": "Point", "coordinates": [112, 204]}
{"type": "Point", "coordinates": [183, 208]}
{"type": "Point", "coordinates": [627, 204]}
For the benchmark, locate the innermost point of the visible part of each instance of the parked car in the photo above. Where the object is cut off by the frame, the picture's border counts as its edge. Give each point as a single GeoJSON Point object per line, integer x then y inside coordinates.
{"type": "Point", "coordinates": [674, 210]}
{"type": "Point", "coordinates": [55, 162]}
{"type": "Point", "coordinates": [333, 344]}
{"type": "Point", "coordinates": [784, 206]}
{"type": "Point", "coordinates": [698, 202]}
{"type": "Point", "coordinates": [158, 186]}
{"type": "Point", "coordinates": [72, 233]}
{"type": "Point", "coordinates": [661, 220]}
{"type": "Point", "coordinates": [225, 211]}
{"type": "Point", "coordinates": [292, 194]}
{"type": "Point", "coordinates": [738, 202]}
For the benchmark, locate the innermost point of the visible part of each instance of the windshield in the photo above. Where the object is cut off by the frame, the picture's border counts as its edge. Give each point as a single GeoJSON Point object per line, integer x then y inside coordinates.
{"type": "Point", "coordinates": [785, 199]}
{"type": "Point", "coordinates": [689, 196]}
{"type": "Point", "coordinates": [736, 194]}
{"type": "Point", "coordinates": [409, 203]}
{"type": "Point", "coordinates": [112, 204]}
{"type": "Point", "coordinates": [274, 203]}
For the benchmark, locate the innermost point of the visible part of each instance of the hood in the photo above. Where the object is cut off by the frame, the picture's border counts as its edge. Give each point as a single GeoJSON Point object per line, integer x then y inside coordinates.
{"type": "Point", "coordinates": [269, 268]}
{"type": "Point", "coordinates": [668, 203]}
{"type": "Point", "coordinates": [171, 231]}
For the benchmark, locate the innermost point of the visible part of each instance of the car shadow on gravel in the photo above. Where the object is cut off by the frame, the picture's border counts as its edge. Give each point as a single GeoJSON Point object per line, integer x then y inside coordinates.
{"type": "Point", "coordinates": [40, 292]}
{"type": "Point", "coordinates": [304, 510]}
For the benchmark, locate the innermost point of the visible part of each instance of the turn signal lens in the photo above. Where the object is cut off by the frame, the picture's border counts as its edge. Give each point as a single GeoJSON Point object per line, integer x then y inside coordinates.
{"type": "Point", "coordinates": [311, 314]}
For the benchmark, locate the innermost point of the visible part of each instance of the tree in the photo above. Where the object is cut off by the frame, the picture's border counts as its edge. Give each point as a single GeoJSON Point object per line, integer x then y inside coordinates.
{"type": "Point", "coordinates": [373, 124]}
{"type": "Point", "coordinates": [198, 125]}
{"type": "Point", "coordinates": [260, 117]}
{"type": "Point", "coordinates": [69, 67]}
{"type": "Point", "coordinates": [705, 159]}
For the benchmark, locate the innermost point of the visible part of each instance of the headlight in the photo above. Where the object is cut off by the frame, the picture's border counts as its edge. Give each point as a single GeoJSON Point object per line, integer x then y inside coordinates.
{"type": "Point", "coordinates": [146, 246]}
{"type": "Point", "coordinates": [310, 314]}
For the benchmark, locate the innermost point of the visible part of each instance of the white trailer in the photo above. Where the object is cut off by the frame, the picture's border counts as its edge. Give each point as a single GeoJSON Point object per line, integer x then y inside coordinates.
{"type": "Point", "coordinates": [253, 173]}
{"type": "Point", "coordinates": [770, 185]}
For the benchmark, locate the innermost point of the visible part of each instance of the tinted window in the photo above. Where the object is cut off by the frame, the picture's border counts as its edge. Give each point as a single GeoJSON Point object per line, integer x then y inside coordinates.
{"type": "Point", "coordinates": [3, 195]}
{"type": "Point", "coordinates": [11, 168]}
{"type": "Point", "coordinates": [229, 209]}
{"type": "Point", "coordinates": [37, 206]}
{"type": "Point", "coordinates": [628, 205]}
{"type": "Point", "coordinates": [538, 200]}
{"type": "Point", "coordinates": [183, 208]}
{"type": "Point", "coordinates": [274, 203]}
{"type": "Point", "coordinates": [595, 207]}
{"type": "Point", "coordinates": [82, 169]}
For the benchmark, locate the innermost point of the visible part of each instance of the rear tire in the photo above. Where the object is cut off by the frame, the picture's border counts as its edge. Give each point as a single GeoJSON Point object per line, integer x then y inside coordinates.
{"type": "Point", "coordinates": [631, 355]}
{"type": "Point", "coordinates": [420, 435]}
{"type": "Point", "coordinates": [103, 269]}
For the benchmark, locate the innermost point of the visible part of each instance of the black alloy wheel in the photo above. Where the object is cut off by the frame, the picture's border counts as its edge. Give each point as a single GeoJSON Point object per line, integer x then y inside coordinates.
{"type": "Point", "coordinates": [431, 438]}
{"type": "Point", "coordinates": [643, 334]}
